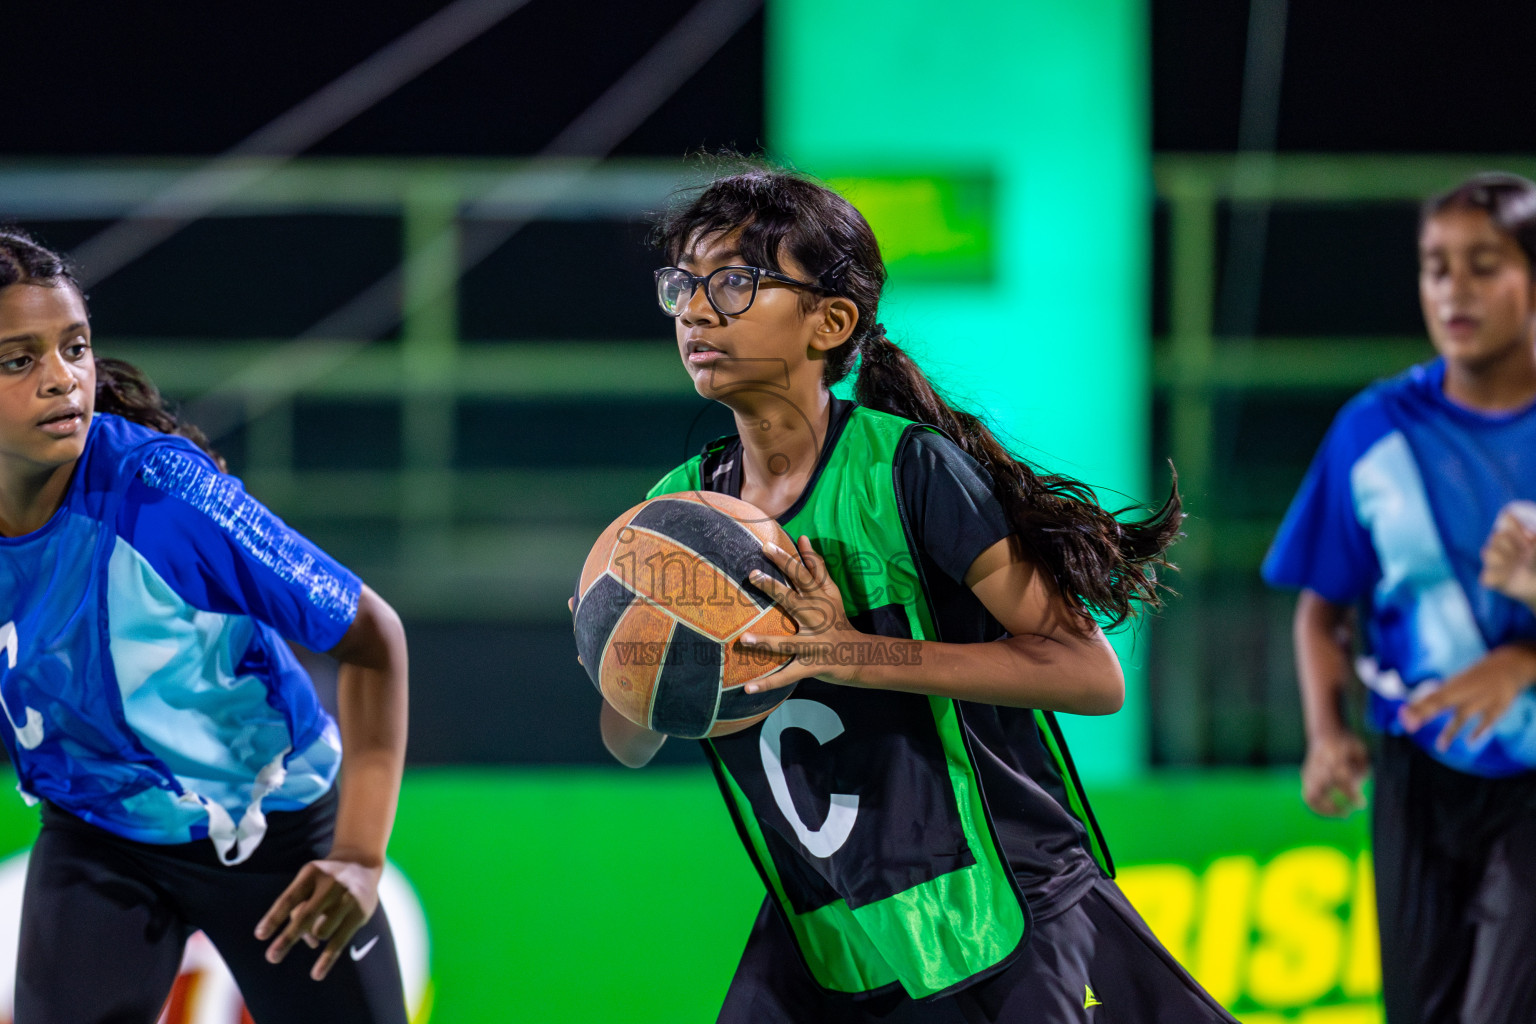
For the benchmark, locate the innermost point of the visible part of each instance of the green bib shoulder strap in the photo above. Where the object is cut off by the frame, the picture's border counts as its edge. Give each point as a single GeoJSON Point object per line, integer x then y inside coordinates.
{"type": "Point", "coordinates": [683, 478]}
{"type": "Point", "coordinates": [865, 918]}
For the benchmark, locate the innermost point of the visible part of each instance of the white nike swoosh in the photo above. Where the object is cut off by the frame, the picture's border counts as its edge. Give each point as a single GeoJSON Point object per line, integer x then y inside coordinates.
{"type": "Point", "coordinates": [358, 954]}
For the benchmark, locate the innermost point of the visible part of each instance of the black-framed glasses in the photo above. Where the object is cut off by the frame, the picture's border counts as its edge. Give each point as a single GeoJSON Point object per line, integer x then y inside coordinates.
{"type": "Point", "coordinates": [730, 290]}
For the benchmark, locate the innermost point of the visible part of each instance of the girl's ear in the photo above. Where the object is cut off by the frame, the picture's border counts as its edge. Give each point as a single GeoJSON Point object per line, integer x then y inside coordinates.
{"type": "Point", "coordinates": [838, 318]}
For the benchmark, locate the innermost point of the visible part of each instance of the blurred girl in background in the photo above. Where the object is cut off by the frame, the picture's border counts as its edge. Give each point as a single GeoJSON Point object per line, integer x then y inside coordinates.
{"type": "Point", "coordinates": [1392, 518]}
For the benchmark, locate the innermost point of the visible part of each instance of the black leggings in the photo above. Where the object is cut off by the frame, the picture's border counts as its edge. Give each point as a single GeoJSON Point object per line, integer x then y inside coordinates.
{"type": "Point", "coordinates": [104, 920]}
{"type": "Point", "coordinates": [1095, 962]}
{"type": "Point", "coordinates": [1455, 862]}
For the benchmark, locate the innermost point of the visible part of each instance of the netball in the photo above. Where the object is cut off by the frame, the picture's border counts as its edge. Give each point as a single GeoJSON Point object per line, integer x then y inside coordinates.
{"type": "Point", "coordinates": [663, 598]}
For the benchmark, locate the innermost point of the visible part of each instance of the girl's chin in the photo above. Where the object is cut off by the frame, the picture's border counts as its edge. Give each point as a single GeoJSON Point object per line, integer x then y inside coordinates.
{"type": "Point", "coordinates": [47, 457]}
{"type": "Point", "coordinates": [1474, 356]}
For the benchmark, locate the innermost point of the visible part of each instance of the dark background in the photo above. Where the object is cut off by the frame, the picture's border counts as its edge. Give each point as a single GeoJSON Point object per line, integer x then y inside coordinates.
{"type": "Point", "coordinates": [182, 79]}
{"type": "Point", "coordinates": [186, 78]}
{"type": "Point", "coordinates": [1425, 77]}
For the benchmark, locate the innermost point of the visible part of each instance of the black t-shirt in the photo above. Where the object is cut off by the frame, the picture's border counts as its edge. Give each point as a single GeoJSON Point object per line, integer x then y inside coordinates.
{"type": "Point", "coordinates": [954, 515]}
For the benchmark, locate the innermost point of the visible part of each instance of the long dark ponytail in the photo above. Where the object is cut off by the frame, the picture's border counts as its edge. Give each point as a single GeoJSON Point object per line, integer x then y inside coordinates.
{"type": "Point", "coordinates": [121, 388]}
{"type": "Point", "coordinates": [1105, 565]}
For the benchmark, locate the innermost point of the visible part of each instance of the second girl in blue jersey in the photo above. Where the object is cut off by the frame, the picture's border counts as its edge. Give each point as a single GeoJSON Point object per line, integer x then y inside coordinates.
{"type": "Point", "coordinates": [1391, 519]}
{"type": "Point", "coordinates": [187, 773]}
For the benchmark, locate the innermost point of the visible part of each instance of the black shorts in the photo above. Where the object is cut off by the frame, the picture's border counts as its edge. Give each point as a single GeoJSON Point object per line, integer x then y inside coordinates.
{"type": "Point", "coordinates": [1455, 859]}
{"type": "Point", "coordinates": [104, 920]}
{"type": "Point", "coordinates": [1096, 962]}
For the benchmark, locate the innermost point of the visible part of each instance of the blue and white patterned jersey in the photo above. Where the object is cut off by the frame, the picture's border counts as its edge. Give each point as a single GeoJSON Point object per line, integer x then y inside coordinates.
{"type": "Point", "coordinates": [144, 674]}
{"type": "Point", "coordinates": [1392, 515]}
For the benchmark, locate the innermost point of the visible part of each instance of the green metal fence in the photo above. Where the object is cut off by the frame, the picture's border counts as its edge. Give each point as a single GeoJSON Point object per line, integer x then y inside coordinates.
{"type": "Point", "coordinates": [498, 542]}
{"type": "Point", "coordinates": [1193, 366]}
{"type": "Point", "coordinates": [442, 565]}
{"type": "Point", "coordinates": [1222, 674]}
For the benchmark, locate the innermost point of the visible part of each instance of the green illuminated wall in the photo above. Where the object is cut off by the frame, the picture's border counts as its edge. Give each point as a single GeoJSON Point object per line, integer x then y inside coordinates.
{"type": "Point", "coordinates": [604, 895]}
{"type": "Point", "coordinates": [1047, 100]}
{"type": "Point", "coordinates": [569, 897]}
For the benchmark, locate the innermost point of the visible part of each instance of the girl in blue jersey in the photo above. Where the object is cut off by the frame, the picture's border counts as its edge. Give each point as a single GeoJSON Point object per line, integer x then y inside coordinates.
{"type": "Point", "coordinates": [187, 774]}
{"type": "Point", "coordinates": [1392, 518]}
{"type": "Point", "coordinates": [880, 905]}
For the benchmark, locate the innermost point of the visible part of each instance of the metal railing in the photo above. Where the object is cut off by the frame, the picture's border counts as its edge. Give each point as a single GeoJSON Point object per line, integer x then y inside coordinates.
{"type": "Point", "coordinates": [438, 567]}
{"type": "Point", "coordinates": [1193, 366]}
{"type": "Point", "coordinates": [445, 567]}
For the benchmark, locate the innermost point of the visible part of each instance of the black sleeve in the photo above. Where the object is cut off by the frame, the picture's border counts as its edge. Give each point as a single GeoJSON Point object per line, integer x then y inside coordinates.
{"type": "Point", "coordinates": [949, 500]}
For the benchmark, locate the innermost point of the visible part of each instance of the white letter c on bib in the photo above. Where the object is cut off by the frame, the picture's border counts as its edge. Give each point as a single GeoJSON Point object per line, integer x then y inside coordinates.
{"type": "Point", "coordinates": [821, 722]}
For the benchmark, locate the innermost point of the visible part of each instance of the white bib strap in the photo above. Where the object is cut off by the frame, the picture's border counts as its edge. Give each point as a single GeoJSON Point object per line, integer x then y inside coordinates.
{"type": "Point", "coordinates": [235, 843]}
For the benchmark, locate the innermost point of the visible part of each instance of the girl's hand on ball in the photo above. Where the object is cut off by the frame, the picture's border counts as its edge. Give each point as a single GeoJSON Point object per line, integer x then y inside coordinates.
{"type": "Point", "coordinates": [815, 604]}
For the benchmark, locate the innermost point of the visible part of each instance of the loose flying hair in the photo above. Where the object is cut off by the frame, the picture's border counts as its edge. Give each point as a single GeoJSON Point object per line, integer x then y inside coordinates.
{"type": "Point", "coordinates": [121, 388]}
{"type": "Point", "coordinates": [1103, 565]}
{"type": "Point", "coordinates": [1508, 199]}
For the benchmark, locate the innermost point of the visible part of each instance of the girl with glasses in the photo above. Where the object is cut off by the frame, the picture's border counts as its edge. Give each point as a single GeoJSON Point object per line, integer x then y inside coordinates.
{"type": "Point", "coordinates": [946, 595]}
{"type": "Point", "coordinates": [1390, 520]}
{"type": "Point", "coordinates": [187, 773]}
